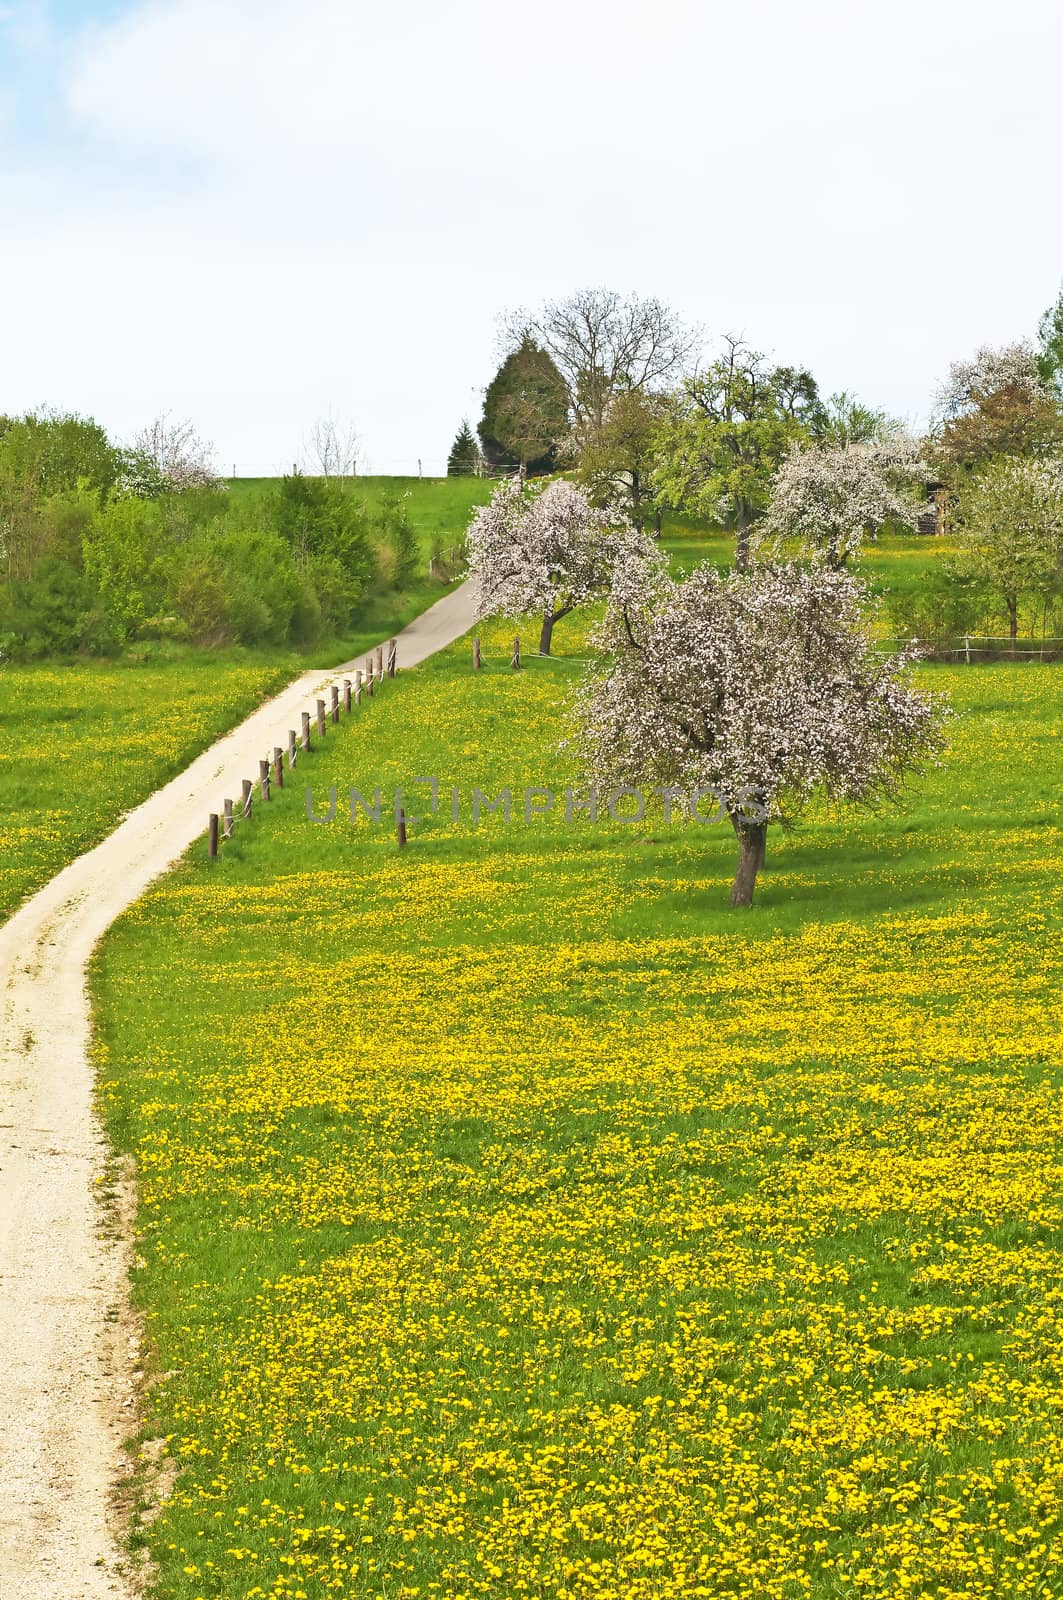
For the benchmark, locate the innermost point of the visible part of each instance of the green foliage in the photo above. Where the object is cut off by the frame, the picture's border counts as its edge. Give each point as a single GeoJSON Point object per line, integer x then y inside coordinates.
{"type": "Point", "coordinates": [397, 545]}
{"type": "Point", "coordinates": [319, 517]}
{"type": "Point", "coordinates": [1050, 354]}
{"type": "Point", "coordinates": [619, 455]}
{"type": "Point", "coordinates": [949, 603]}
{"type": "Point", "coordinates": [53, 614]}
{"type": "Point", "coordinates": [291, 562]}
{"type": "Point", "coordinates": [725, 434]}
{"type": "Point", "coordinates": [843, 419]}
{"type": "Point", "coordinates": [49, 452]}
{"type": "Point", "coordinates": [1010, 530]}
{"type": "Point", "coordinates": [525, 410]}
{"type": "Point", "coordinates": [465, 457]}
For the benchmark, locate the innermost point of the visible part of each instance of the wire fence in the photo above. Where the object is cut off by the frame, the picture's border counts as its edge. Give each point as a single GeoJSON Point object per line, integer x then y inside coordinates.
{"type": "Point", "coordinates": [970, 648]}
{"type": "Point", "coordinates": [271, 768]}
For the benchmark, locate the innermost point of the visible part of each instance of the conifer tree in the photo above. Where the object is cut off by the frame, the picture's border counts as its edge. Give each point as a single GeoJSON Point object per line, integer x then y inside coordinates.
{"type": "Point", "coordinates": [465, 459]}
{"type": "Point", "coordinates": [525, 411]}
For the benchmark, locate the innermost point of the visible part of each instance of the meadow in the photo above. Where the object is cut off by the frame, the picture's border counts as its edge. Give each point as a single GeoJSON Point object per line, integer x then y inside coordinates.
{"type": "Point", "coordinates": [517, 1220]}
{"type": "Point", "coordinates": [83, 741]}
{"type": "Point", "coordinates": [439, 508]}
{"type": "Point", "coordinates": [81, 744]}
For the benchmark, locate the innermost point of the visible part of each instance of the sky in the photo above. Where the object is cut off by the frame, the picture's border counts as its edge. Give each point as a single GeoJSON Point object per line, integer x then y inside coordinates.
{"type": "Point", "coordinates": [257, 213]}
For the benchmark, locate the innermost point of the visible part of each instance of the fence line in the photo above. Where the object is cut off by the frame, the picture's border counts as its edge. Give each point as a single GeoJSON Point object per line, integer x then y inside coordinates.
{"type": "Point", "coordinates": [966, 647]}
{"type": "Point", "coordinates": [271, 769]}
{"type": "Point", "coordinates": [222, 826]}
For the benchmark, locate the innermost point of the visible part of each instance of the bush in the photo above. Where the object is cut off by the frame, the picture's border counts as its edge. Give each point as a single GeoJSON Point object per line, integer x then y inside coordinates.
{"type": "Point", "coordinates": [948, 604]}
{"type": "Point", "coordinates": [52, 613]}
{"type": "Point", "coordinates": [397, 552]}
{"type": "Point", "coordinates": [86, 569]}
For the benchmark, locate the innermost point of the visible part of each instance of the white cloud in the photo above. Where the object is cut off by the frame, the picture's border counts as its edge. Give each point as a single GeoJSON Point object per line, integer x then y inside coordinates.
{"type": "Point", "coordinates": [283, 207]}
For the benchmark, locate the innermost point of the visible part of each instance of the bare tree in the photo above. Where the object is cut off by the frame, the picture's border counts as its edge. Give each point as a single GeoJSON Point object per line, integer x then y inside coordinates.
{"type": "Point", "coordinates": [602, 342]}
{"type": "Point", "coordinates": [332, 448]}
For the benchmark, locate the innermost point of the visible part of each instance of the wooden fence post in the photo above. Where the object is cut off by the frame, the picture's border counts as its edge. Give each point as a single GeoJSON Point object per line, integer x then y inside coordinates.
{"type": "Point", "coordinates": [967, 648]}
{"type": "Point", "coordinates": [278, 766]}
{"type": "Point", "coordinates": [291, 747]}
{"type": "Point", "coordinates": [212, 845]}
{"type": "Point", "coordinates": [393, 657]}
{"type": "Point", "coordinates": [306, 730]}
{"type": "Point", "coordinates": [334, 695]}
{"type": "Point", "coordinates": [227, 812]}
{"type": "Point", "coordinates": [400, 828]}
{"type": "Point", "coordinates": [321, 718]}
{"type": "Point", "coordinates": [358, 688]}
{"type": "Point", "coordinates": [476, 655]}
{"type": "Point", "coordinates": [346, 694]}
{"type": "Point", "coordinates": [516, 654]}
{"type": "Point", "coordinates": [263, 780]}
{"type": "Point", "coordinates": [248, 788]}
{"type": "Point", "coordinates": [369, 675]}
{"type": "Point", "coordinates": [380, 661]}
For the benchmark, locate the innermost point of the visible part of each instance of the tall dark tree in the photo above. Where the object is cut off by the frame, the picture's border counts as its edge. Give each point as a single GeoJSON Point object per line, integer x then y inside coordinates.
{"type": "Point", "coordinates": [525, 411]}
{"type": "Point", "coordinates": [465, 459]}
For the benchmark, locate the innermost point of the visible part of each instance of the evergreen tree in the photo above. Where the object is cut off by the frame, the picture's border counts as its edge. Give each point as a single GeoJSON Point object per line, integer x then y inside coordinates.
{"type": "Point", "coordinates": [465, 459]}
{"type": "Point", "coordinates": [525, 411]}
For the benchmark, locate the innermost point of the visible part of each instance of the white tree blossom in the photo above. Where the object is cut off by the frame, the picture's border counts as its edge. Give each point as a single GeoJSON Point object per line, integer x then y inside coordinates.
{"type": "Point", "coordinates": [831, 498]}
{"type": "Point", "coordinates": [547, 551]}
{"type": "Point", "coordinates": [1010, 366]}
{"type": "Point", "coordinates": [169, 456]}
{"type": "Point", "coordinates": [762, 688]}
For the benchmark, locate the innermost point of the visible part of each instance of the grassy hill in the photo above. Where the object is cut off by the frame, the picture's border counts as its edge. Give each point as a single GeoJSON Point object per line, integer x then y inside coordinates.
{"type": "Point", "coordinates": [439, 508]}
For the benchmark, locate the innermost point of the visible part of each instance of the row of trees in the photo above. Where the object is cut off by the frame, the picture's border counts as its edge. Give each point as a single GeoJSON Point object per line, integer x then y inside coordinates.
{"type": "Point", "coordinates": [610, 389]}
{"type": "Point", "coordinates": [101, 544]}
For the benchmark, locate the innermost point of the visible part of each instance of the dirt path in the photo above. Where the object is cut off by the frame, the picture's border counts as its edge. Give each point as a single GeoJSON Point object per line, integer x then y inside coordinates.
{"type": "Point", "coordinates": [65, 1380]}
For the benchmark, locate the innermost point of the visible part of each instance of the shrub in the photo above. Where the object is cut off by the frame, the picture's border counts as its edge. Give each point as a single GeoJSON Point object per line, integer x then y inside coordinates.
{"type": "Point", "coordinates": [948, 604]}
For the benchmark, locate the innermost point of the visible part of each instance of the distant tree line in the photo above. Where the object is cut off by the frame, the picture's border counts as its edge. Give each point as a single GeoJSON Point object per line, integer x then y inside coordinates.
{"type": "Point", "coordinates": [101, 545]}
{"type": "Point", "coordinates": [616, 393]}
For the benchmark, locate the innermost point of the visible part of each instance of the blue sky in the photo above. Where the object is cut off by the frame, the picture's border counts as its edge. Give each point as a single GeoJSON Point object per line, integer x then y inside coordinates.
{"type": "Point", "coordinates": [255, 212]}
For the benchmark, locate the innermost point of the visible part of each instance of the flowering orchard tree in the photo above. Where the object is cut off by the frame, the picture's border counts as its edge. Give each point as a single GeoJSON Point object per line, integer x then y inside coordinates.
{"type": "Point", "coordinates": [761, 689]}
{"type": "Point", "coordinates": [997, 404]}
{"type": "Point", "coordinates": [830, 499]}
{"type": "Point", "coordinates": [169, 457]}
{"type": "Point", "coordinates": [549, 550]}
{"type": "Point", "coordinates": [1010, 366]}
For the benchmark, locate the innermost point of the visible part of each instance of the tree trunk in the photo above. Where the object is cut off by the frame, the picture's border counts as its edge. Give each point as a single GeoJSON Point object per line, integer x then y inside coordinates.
{"type": "Point", "coordinates": [742, 562]}
{"type": "Point", "coordinates": [752, 845]}
{"type": "Point", "coordinates": [547, 634]}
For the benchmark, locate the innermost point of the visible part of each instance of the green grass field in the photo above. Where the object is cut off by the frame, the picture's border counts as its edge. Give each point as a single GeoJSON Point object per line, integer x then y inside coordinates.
{"type": "Point", "coordinates": [517, 1220]}
{"type": "Point", "coordinates": [439, 508]}
{"type": "Point", "coordinates": [82, 742]}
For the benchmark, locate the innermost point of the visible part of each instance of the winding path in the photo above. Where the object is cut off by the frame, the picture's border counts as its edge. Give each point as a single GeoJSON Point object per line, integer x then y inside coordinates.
{"type": "Point", "coordinates": [66, 1352]}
